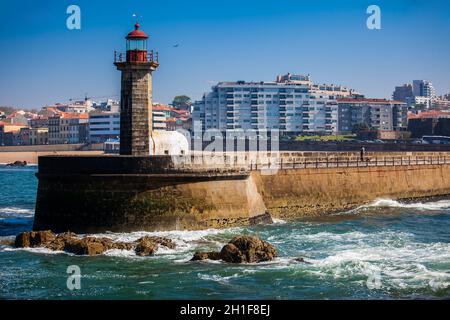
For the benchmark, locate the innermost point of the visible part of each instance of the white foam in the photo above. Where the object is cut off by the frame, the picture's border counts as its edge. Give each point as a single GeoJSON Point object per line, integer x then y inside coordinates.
{"type": "Point", "coordinates": [389, 203]}
{"type": "Point", "coordinates": [217, 278]}
{"type": "Point", "coordinates": [437, 205]}
{"type": "Point", "coordinates": [15, 212]}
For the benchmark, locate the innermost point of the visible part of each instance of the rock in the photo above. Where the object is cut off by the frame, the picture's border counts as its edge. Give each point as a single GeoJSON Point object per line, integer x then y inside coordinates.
{"type": "Point", "coordinates": [34, 239]}
{"type": "Point", "coordinates": [265, 218]}
{"type": "Point", "coordinates": [121, 246]}
{"type": "Point", "coordinates": [300, 259]}
{"type": "Point", "coordinates": [7, 242]}
{"type": "Point", "coordinates": [211, 255]}
{"type": "Point", "coordinates": [231, 253]}
{"type": "Point", "coordinates": [166, 242]}
{"type": "Point", "coordinates": [87, 246]}
{"type": "Point", "coordinates": [241, 249]}
{"type": "Point", "coordinates": [247, 249]}
{"type": "Point", "coordinates": [145, 247]}
{"type": "Point", "coordinates": [62, 239]}
{"type": "Point", "coordinates": [17, 164]}
{"type": "Point", "coordinates": [69, 242]}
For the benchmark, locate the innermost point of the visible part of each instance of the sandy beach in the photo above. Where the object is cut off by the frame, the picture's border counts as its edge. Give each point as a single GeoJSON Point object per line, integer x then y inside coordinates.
{"type": "Point", "coordinates": [31, 157]}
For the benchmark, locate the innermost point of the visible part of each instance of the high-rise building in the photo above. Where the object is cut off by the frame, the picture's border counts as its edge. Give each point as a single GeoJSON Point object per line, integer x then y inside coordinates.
{"type": "Point", "coordinates": [423, 88]}
{"type": "Point", "coordinates": [291, 104]}
{"type": "Point", "coordinates": [404, 93]}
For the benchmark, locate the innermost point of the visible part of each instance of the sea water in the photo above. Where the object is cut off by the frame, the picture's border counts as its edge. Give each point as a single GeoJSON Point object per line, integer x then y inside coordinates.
{"type": "Point", "coordinates": [385, 250]}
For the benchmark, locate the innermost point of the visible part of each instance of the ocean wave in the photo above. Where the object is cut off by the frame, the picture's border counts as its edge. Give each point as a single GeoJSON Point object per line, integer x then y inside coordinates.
{"type": "Point", "coordinates": [278, 221]}
{"type": "Point", "coordinates": [15, 212]}
{"type": "Point", "coordinates": [185, 240]}
{"type": "Point", "coordinates": [218, 278]}
{"type": "Point", "coordinates": [389, 203]}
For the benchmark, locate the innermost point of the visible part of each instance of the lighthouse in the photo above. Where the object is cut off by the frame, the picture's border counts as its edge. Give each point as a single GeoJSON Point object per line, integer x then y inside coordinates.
{"type": "Point", "coordinates": [137, 66]}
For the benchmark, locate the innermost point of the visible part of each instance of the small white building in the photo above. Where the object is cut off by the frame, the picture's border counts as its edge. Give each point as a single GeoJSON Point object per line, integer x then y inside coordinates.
{"type": "Point", "coordinates": [168, 143]}
{"type": "Point", "coordinates": [103, 126]}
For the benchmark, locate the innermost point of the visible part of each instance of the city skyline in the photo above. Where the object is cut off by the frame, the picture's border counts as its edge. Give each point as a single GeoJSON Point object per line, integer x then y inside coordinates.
{"type": "Point", "coordinates": [200, 46]}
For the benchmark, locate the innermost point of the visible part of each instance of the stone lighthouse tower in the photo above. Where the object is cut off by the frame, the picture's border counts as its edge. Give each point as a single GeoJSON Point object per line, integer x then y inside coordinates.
{"type": "Point", "coordinates": [136, 94]}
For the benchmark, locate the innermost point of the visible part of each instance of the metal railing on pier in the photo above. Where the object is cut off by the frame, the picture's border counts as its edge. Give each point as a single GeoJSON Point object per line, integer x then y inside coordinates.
{"type": "Point", "coordinates": [238, 163]}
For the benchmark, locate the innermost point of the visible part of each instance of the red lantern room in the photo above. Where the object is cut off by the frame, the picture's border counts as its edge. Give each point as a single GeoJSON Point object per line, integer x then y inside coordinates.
{"type": "Point", "coordinates": [137, 45]}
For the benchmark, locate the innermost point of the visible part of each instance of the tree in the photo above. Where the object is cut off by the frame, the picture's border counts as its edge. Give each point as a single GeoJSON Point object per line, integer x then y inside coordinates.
{"type": "Point", "coordinates": [182, 102]}
{"type": "Point", "coordinates": [357, 128]}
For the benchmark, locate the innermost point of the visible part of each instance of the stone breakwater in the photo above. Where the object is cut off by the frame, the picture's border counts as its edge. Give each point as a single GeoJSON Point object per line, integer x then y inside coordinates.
{"type": "Point", "coordinates": [126, 193]}
{"type": "Point", "coordinates": [240, 249]}
{"type": "Point", "coordinates": [71, 243]}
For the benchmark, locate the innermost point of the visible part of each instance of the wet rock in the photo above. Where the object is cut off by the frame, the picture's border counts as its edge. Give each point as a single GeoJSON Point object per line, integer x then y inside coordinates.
{"type": "Point", "coordinates": [34, 239]}
{"type": "Point", "coordinates": [121, 246]}
{"type": "Point", "coordinates": [241, 249]}
{"type": "Point", "coordinates": [70, 242]}
{"type": "Point", "coordinates": [61, 240]}
{"type": "Point", "coordinates": [265, 218]}
{"type": "Point", "coordinates": [248, 249]}
{"type": "Point", "coordinates": [166, 242]}
{"type": "Point", "coordinates": [145, 247]}
{"type": "Point", "coordinates": [17, 164]}
{"type": "Point", "coordinates": [300, 259]}
{"type": "Point", "coordinates": [211, 255]}
{"type": "Point", "coordinates": [87, 246]}
{"type": "Point", "coordinates": [7, 242]}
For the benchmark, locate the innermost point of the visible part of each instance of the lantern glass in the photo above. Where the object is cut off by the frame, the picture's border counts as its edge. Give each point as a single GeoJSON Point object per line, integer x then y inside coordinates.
{"type": "Point", "coordinates": [133, 44]}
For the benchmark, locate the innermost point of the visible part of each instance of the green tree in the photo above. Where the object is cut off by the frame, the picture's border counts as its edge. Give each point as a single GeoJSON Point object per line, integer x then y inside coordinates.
{"type": "Point", "coordinates": [182, 102]}
{"type": "Point", "coordinates": [357, 128]}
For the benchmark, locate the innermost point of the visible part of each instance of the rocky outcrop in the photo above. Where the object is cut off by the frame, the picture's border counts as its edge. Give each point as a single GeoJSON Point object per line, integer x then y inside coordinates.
{"type": "Point", "coordinates": [34, 239]}
{"type": "Point", "coordinates": [247, 249]}
{"type": "Point", "coordinates": [70, 242]}
{"type": "Point", "coordinates": [211, 255]}
{"type": "Point", "coordinates": [17, 164]}
{"type": "Point", "coordinates": [146, 246]}
{"type": "Point", "coordinates": [241, 249]}
{"type": "Point", "coordinates": [265, 218]}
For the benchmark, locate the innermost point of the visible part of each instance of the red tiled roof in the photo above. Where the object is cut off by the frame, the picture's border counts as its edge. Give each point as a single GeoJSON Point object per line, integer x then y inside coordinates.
{"type": "Point", "coordinates": [69, 115]}
{"type": "Point", "coordinates": [162, 107]}
{"type": "Point", "coordinates": [429, 114]}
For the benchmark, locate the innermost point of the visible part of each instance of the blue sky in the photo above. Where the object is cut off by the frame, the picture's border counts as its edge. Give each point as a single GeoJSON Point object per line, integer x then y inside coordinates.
{"type": "Point", "coordinates": [42, 62]}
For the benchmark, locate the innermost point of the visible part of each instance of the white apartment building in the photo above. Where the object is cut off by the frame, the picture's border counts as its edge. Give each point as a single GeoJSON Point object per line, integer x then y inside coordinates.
{"type": "Point", "coordinates": [423, 88]}
{"type": "Point", "coordinates": [291, 104]}
{"type": "Point", "coordinates": [103, 126]}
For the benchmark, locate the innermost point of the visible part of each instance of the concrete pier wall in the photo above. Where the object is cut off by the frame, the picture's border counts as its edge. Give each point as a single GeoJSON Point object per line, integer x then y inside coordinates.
{"type": "Point", "coordinates": [302, 192]}
{"type": "Point", "coordinates": [126, 193]}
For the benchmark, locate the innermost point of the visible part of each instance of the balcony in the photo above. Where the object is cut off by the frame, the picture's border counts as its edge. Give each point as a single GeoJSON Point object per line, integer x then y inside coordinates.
{"type": "Point", "coordinates": [136, 56]}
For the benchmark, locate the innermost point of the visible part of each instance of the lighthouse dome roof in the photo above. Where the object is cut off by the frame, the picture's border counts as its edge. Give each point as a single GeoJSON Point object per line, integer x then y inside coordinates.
{"type": "Point", "coordinates": [136, 33]}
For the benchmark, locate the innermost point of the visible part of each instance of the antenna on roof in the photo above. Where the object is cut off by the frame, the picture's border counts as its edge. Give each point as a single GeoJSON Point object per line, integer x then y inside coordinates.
{"type": "Point", "coordinates": [137, 16]}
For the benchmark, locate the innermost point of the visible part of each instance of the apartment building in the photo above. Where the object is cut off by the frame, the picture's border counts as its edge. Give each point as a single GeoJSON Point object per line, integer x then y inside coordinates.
{"type": "Point", "coordinates": [104, 126]}
{"type": "Point", "coordinates": [38, 136]}
{"type": "Point", "coordinates": [68, 128]}
{"type": "Point", "coordinates": [291, 104]}
{"type": "Point", "coordinates": [379, 114]}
